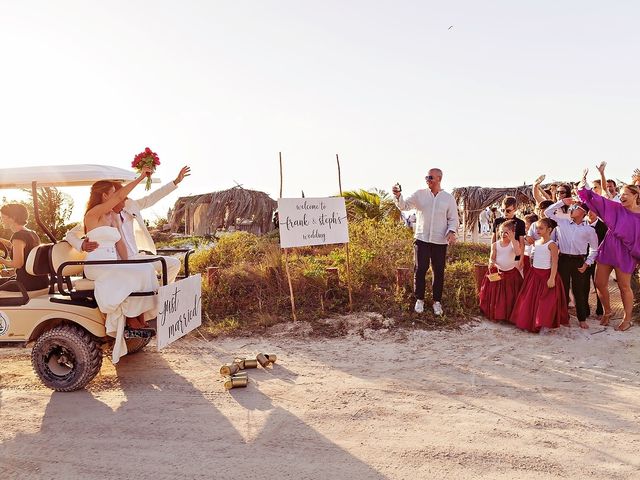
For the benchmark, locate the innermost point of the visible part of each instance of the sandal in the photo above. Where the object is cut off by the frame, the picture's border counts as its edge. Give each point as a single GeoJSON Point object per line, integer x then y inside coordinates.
{"type": "Point", "coordinates": [623, 326]}
{"type": "Point", "coordinates": [606, 317]}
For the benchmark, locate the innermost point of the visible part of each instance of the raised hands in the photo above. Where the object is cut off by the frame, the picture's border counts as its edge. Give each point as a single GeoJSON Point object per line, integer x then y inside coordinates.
{"type": "Point", "coordinates": [585, 172]}
{"type": "Point", "coordinates": [540, 179]}
{"type": "Point", "coordinates": [601, 167]}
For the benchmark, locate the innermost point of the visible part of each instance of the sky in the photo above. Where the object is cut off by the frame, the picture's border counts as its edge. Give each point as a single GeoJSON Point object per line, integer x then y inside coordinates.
{"type": "Point", "coordinates": [512, 90]}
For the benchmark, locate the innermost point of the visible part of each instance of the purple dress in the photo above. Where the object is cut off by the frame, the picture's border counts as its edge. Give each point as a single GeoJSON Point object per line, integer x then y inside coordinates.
{"type": "Point", "coordinates": [621, 246]}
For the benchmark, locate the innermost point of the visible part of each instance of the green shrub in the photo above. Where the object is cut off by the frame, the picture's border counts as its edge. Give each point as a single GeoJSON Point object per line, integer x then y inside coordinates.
{"type": "Point", "coordinates": [252, 286]}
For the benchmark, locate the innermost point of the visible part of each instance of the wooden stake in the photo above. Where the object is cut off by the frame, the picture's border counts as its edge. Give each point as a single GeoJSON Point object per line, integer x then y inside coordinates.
{"type": "Point", "coordinates": [286, 257]}
{"type": "Point", "coordinates": [346, 244]}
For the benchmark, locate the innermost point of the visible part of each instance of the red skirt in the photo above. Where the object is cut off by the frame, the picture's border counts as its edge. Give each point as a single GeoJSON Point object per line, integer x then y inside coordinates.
{"type": "Point", "coordinates": [497, 298]}
{"type": "Point", "coordinates": [527, 265]}
{"type": "Point", "coordinates": [538, 305]}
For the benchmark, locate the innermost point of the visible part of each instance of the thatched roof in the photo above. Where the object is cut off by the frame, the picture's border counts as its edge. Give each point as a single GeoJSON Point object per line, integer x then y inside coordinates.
{"type": "Point", "coordinates": [227, 207]}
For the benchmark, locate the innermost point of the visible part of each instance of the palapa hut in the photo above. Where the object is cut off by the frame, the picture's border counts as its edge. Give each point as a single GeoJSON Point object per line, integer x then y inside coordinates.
{"type": "Point", "coordinates": [234, 209]}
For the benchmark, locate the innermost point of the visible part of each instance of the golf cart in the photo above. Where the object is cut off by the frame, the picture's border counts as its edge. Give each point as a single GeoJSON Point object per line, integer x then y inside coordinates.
{"type": "Point", "coordinates": [63, 322]}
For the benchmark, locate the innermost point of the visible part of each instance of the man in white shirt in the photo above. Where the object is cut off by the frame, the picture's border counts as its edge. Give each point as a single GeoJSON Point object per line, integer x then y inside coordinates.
{"type": "Point", "coordinates": [134, 231]}
{"type": "Point", "coordinates": [578, 244]}
{"type": "Point", "coordinates": [436, 227]}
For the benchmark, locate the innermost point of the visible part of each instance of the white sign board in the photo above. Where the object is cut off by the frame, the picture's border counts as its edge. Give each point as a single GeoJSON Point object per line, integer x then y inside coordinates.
{"type": "Point", "coordinates": [179, 309]}
{"type": "Point", "coordinates": [312, 221]}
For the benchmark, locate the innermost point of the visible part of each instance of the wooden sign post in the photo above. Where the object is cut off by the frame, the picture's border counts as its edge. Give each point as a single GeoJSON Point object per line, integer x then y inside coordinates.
{"type": "Point", "coordinates": [286, 256]}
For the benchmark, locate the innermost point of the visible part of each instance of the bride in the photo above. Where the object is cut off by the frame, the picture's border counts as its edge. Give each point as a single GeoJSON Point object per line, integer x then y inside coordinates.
{"type": "Point", "coordinates": [114, 283]}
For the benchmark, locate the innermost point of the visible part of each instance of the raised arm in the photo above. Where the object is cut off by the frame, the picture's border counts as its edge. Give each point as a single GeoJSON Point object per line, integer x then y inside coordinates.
{"type": "Point", "coordinates": [551, 211]}
{"type": "Point", "coordinates": [610, 212]}
{"type": "Point", "coordinates": [603, 179]}
{"type": "Point", "coordinates": [539, 194]}
{"type": "Point", "coordinates": [96, 212]}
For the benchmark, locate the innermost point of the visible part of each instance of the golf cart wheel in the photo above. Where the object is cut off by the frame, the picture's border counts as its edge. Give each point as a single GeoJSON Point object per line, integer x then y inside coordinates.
{"type": "Point", "coordinates": [66, 358]}
{"type": "Point", "coordinates": [134, 345]}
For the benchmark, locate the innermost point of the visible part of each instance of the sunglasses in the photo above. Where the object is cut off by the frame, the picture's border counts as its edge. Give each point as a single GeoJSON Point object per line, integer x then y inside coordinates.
{"type": "Point", "coordinates": [429, 177]}
{"type": "Point", "coordinates": [563, 192]}
{"type": "Point", "coordinates": [576, 207]}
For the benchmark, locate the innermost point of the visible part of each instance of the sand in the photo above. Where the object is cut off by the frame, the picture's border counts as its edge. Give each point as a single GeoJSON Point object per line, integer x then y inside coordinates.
{"type": "Point", "coordinates": [487, 401]}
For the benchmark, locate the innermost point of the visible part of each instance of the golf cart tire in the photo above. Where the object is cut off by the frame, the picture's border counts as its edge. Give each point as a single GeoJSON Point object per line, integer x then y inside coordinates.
{"type": "Point", "coordinates": [134, 345]}
{"type": "Point", "coordinates": [66, 358]}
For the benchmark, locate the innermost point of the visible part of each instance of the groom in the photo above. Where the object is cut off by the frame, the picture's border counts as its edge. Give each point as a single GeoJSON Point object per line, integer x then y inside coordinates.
{"type": "Point", "coordinates": [133, 229]}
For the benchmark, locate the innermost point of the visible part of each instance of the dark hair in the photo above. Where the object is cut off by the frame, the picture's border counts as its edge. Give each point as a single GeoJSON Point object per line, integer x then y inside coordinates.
{"type": "Point", "coordinates": [531, 218]}
{"type": "Point", "coordinates": [543, 205]}
{"type": "Point", "coordinates": [17, 212]}
{"type": "Point", "coordinates": [612, 181]}
{"type": "Point", "coordinates": [549, 222]}
{"type": "Point", "coordinates": [567, 187]}
{"type": "Point", "coordinates": [509, 201]}
{"type": "Point", "coordinates": [510, 224]}
{"type": "Point", "coordinates": [597, 182]}
{"type": "Point", "coordinates": [97, 190]}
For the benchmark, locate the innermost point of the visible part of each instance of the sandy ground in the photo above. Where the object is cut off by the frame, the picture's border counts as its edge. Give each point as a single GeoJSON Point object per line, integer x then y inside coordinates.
{"type": "Point", "coordinates": [485, 402]}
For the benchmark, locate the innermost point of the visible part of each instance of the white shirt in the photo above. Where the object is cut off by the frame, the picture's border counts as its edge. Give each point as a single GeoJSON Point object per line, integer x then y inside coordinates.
{"type": "Point", "coordinates": [542, 255]}
{"type": "Point", "coordinates": [436, 215]}
{"type": "Point", "coordinates": [573, 238]}
{"type": "Point", "coordinates": [128, 236]}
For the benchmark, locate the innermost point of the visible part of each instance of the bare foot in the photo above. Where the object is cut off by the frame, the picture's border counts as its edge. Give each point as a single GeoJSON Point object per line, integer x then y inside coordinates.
{"type": "Point", "coordinates": [133, 322]}
{"type": "Point", "coordinates": [623, 326]}
{"type": "Point", "coordinates": [583, 325]}
{"type": "Point", "coordinates": [605, 319]}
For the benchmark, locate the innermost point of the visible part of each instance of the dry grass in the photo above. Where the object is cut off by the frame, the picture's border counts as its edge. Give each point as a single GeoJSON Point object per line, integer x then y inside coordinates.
{"type": "Point", "coordinates": [251, 290]}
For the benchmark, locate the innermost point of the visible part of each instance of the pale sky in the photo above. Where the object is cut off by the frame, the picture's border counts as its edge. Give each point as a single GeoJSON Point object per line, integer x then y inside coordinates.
{"type": "Point", "coordinates": [514, 89]}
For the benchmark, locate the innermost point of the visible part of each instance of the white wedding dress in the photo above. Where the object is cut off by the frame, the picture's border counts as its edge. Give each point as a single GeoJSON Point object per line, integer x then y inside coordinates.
{"type": "Point", "coordinates": [114, 284]}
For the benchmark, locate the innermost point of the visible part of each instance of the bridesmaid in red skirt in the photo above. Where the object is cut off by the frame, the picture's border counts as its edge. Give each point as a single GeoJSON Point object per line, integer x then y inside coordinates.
{"type": "Point", "coordinates": [542, 302]}
{"type": "Point", "coordinates": [498, 297]}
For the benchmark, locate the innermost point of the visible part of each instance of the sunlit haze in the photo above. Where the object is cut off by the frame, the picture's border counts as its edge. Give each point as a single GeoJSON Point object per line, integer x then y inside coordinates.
{"type": "Point", "coordinates": [512, 90]}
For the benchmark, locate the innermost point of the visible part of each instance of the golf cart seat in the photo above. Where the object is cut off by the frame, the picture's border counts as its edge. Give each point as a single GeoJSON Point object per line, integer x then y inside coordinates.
{"type": "Point", "coordinates": [72, 275]}
{"type": "Point", "coordinates": [37, 263]}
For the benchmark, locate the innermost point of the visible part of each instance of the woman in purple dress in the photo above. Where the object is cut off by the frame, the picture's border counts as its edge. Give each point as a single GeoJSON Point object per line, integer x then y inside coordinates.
{"type": "Point", "coordinates": [620, 249]}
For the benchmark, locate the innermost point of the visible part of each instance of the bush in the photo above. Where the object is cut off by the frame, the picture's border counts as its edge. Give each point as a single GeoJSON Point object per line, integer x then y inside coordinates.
{"type": "Point", "coordinates": [252, 286]}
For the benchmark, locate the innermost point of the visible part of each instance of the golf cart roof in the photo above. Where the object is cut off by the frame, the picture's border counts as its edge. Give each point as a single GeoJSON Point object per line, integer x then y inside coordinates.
{"type": "Point", "coordinates": [61, 175]}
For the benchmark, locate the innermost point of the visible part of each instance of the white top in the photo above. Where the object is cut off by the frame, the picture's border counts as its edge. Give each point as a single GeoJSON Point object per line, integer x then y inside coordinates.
{"type": "Point", "coordinates": [505, 256]}
{"type": "Point", "coordinates": [573, 238]}
{"type": "Point", "coordinates": [436, 215]}
{"type": "Point", "coordinates": [542, 255]}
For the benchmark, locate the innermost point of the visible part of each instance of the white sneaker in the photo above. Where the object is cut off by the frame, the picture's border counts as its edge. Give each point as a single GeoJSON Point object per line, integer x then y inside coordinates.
{"type": "Point", "coordinates": [437, 308]}
{"type": "Point", "coordinates": [419, 308]}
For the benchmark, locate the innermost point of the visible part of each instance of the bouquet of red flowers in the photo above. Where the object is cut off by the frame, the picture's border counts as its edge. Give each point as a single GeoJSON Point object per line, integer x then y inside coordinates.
{"type": "Point", "coordinates": [146, 159]}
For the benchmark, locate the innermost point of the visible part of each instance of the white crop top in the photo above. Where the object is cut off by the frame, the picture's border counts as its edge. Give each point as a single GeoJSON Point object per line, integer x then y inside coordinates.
{"type": "Point", "coordinates": [542, 255]}
{"type": "Point", "coordinates": [505, 256]}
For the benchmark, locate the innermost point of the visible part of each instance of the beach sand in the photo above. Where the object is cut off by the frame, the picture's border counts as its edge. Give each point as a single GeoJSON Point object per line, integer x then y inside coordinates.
{"type": "Point", "coordinates": [487, 401]}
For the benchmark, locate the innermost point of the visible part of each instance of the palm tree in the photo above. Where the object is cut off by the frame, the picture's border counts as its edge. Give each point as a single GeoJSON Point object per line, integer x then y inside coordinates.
{"type": "Point", "coordinates": [375, 204]}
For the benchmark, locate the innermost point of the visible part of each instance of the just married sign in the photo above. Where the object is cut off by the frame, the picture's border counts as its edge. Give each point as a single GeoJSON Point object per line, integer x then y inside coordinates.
{"type": "Point", "coordinates": [179, 309]}
{"type": "Point", "coordinates": [312, 221]}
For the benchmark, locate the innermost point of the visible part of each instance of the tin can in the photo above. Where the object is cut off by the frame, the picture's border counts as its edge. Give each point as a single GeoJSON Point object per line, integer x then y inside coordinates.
{"type": "Point", "coordinates": [229, 369]}
{"type": "Point", "coordinates": [239, 362]}
{"type": "Point", "coordinates": [262, 360]}
{"type": "Point", "coordinates": [271, 357]}
{"type": "Point", "coordinates": [235, 382]}
{"type": "Point", "coordinates": [250, 363]}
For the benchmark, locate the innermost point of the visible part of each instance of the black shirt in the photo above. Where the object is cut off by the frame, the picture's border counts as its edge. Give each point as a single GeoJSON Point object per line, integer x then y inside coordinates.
{"type": "Point", "coordinates": [30, 282]}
